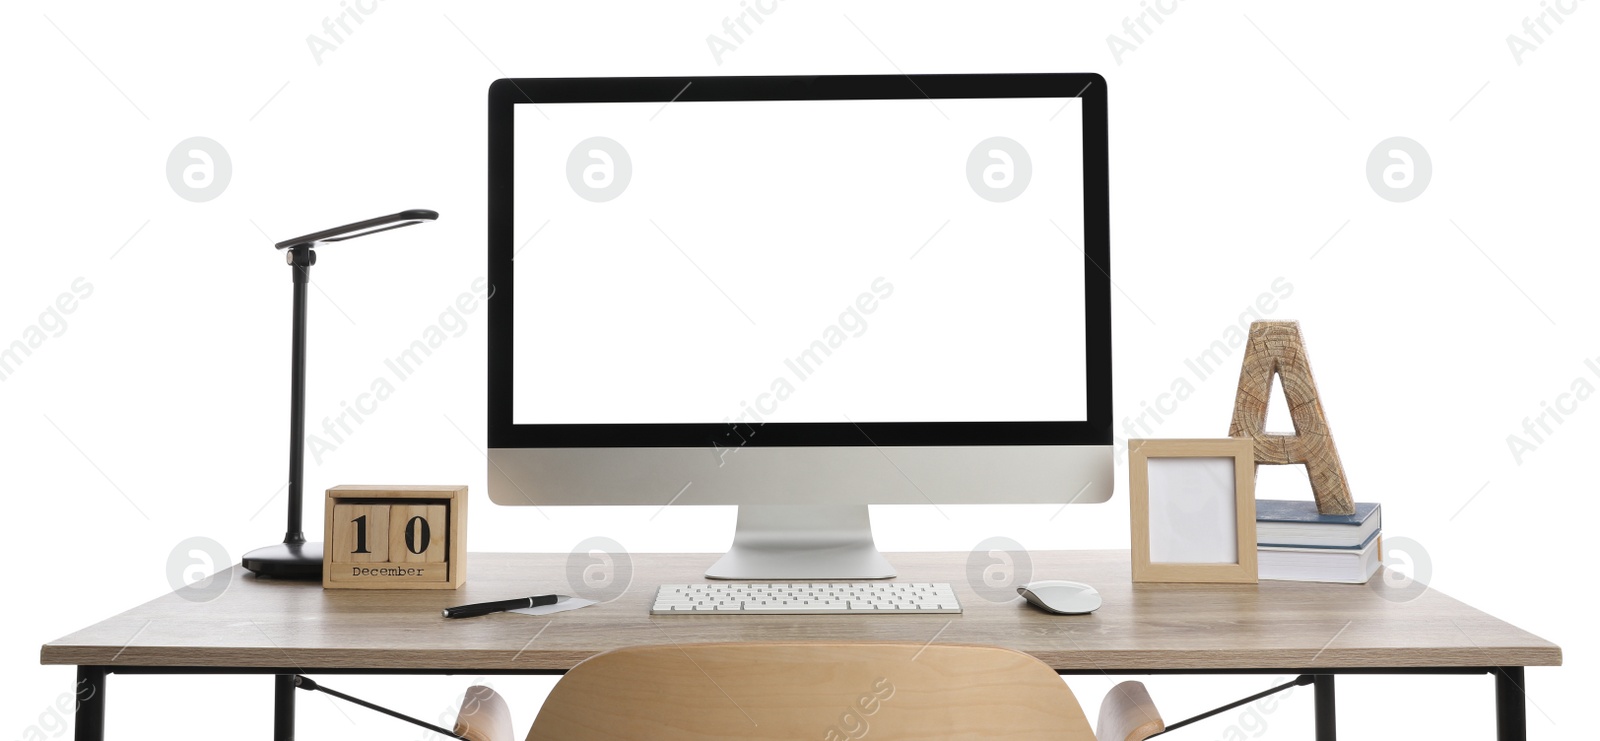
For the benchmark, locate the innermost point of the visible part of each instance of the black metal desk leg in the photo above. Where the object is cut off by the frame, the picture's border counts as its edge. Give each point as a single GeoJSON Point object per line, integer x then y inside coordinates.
{"type": "Point", "coordinates": [1327, 719]}
{"type": "Point", "coordinates": [1510, 704]}
{"type": "Point", "coordinates": [283, 708]}
{"type": "Point", "coordinates": [89, 721]}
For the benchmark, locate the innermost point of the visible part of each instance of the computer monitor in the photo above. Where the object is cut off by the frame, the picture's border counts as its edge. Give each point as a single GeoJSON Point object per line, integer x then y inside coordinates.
{"type": "Point", "coordinates": [800, 295]}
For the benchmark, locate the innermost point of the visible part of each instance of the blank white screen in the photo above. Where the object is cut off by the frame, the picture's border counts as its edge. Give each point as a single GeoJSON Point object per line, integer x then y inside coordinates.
{"type": "Point", "coordinates": [749, 233]}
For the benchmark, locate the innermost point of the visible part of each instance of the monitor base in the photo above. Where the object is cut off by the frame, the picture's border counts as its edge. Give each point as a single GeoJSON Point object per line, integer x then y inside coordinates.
{"type": "Point", "coordinates": [802, 542]}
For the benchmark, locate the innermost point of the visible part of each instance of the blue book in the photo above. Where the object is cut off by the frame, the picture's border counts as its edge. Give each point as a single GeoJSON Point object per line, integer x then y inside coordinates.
{"type": "Point", "coordinates": [1284, 523]}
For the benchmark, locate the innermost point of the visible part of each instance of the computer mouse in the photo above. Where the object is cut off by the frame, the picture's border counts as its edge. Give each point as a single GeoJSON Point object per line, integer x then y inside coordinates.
{"type": "Point", "coordinates": [1061, 597]}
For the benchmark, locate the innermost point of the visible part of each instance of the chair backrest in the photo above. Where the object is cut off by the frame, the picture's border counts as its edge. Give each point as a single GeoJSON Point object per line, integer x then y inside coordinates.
{"type": "Point", "coordinates": [827, 691]}
{"type": "Point", "coordinates": [484, 716]}
{"type": "Point", "coordinates": [1128, 714]}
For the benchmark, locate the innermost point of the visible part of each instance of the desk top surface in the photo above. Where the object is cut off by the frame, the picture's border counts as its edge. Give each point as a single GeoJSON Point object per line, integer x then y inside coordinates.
{"type": "Point", "coordinates": [265, 623]}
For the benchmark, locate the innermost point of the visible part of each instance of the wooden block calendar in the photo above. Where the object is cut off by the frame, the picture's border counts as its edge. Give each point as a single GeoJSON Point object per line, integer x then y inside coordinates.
{"type": "Point", "coordinates": [395, 537]}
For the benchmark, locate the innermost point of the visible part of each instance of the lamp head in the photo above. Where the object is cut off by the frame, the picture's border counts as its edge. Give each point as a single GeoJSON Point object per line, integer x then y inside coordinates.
{"type": "Point", "coordinates": [360, 229]}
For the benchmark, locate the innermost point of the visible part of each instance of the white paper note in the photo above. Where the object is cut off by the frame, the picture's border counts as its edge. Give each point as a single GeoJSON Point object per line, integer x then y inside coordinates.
{"type": "Point", "coordinates": [563, 603]}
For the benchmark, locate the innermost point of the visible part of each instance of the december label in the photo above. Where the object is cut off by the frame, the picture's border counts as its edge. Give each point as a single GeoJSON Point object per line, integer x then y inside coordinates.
{"type": "Point", "coordinates": [409, 572]}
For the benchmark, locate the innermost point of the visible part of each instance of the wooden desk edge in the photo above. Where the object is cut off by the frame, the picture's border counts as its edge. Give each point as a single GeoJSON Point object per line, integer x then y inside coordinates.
{"type": "Point", "coordinates": [532, 660]}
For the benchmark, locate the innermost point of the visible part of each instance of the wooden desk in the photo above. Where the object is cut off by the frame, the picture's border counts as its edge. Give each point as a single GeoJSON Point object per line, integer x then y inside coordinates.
{"type": "Point", "coordinates": [285, 628]}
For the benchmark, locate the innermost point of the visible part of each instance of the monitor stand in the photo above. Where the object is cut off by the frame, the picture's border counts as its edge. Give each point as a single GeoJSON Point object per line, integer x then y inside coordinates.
{"type": "Point", "coordinates": [800, 542]}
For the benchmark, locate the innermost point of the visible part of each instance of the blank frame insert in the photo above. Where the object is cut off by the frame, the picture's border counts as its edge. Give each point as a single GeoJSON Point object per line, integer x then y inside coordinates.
{"type": "Point", "coordinates": [1192, 511]}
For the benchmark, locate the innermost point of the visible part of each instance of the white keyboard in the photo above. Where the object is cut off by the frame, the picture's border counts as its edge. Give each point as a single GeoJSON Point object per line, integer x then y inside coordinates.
{"type": "Point", "coordinates": [805, 598]}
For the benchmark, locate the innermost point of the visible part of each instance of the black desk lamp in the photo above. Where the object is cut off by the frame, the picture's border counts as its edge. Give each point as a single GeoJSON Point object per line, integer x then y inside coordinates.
{"type": "Point", "coordinates": [294, 558]}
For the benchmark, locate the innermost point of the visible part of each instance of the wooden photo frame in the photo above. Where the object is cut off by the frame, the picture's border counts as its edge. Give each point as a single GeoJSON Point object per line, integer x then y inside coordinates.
{"type": "Point", "coordinates": [1194, 510]}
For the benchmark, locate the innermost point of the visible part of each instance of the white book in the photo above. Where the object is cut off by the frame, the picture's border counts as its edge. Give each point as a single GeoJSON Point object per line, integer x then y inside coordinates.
{"type": "Point", "coordinates": [1338, 565]}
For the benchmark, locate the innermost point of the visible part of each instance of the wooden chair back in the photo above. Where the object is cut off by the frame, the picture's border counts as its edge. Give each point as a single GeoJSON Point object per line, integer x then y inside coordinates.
{"type": "Point", "coordinates": [834, 692]}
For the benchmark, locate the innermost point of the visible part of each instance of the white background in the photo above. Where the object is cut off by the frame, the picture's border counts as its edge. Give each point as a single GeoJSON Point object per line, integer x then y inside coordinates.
{"type": "Point", "coordinates": [745, 230]}
{"type": "Point", "coordinates": [1239, 139]}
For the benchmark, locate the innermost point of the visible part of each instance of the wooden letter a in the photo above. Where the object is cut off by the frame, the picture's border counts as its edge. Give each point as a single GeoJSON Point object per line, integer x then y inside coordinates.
{"type": "Point", "coordinates": [1276, 348]}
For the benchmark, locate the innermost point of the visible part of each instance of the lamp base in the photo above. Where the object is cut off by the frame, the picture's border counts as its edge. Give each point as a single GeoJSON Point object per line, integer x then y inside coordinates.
{"type": "Point", "coordinates": [286, 561]}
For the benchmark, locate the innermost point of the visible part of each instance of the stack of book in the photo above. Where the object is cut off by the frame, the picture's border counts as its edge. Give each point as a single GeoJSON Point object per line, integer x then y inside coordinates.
{"type": "Point", "coordinates": [1296, 543]}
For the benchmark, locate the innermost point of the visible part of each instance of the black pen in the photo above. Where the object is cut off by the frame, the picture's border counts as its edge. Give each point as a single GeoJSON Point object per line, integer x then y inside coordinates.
{"type": "Point", "coordinates": [484, 608]}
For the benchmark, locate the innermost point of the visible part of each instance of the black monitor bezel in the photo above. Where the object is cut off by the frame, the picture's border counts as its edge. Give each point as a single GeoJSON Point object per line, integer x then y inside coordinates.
{"type": "Point", "coordinates": [505, 94]}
